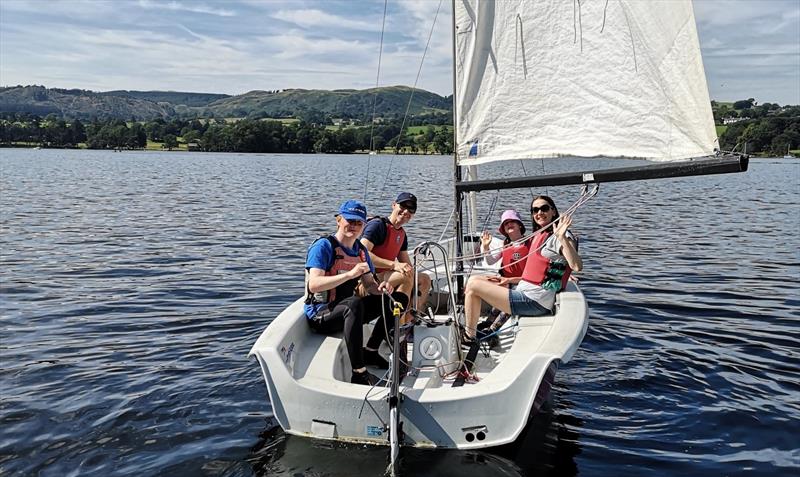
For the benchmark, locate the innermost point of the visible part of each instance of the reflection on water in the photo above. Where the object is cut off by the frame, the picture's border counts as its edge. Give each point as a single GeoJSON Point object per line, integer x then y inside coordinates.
{"type": "Point", "coordinates": [132, 286]}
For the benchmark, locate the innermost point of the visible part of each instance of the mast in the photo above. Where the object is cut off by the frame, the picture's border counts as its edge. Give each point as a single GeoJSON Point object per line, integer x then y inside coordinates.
{"type": "Point", "coordinates": [459, 225]}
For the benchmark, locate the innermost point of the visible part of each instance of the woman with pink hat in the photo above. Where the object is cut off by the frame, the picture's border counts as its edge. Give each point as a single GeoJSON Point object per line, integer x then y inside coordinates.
{"type": "Point", "coordinates": [513, 253]}
{"type": "Point", "coordinates": [553, 255]}
{"type": "Point", "coordinates": [512, 257]}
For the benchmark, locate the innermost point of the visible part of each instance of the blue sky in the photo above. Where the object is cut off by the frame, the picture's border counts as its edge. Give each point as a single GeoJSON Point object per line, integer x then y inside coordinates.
{"type": "Point", "coordinates": [751, 48]}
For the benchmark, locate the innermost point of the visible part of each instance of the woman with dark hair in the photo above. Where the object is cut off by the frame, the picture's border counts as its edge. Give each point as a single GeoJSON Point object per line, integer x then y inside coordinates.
{"type": "Point", "coordinates": [553, 256]}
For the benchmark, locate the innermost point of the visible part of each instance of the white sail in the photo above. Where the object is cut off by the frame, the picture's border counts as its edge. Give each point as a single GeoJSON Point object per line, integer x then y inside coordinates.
{"type": "Point", "coordinates": [546, 78]}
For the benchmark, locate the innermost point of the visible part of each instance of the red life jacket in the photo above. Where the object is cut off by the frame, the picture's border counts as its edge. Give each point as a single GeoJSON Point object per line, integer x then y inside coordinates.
{"type": "Point", "coordinates": [542, 271]}
{"type": "Point", "coordinates": [514, 259]}
{"type": "Point", "coordinates": [391, 245]}
{"type": "Point", "coordinates": [342, 263]}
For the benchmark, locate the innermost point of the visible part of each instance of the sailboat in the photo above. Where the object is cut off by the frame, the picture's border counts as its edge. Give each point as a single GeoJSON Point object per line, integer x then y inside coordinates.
{"type": "Point", "coordinates": [532, 79]}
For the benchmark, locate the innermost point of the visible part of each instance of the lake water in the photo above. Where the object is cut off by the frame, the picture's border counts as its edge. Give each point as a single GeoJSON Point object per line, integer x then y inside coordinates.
{"type": "Point", "coordinates": [133, 285]}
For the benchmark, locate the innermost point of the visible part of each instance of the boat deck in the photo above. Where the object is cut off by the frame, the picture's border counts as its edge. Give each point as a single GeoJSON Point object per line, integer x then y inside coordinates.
{"type": "Point", "coordinates": [330, 362]}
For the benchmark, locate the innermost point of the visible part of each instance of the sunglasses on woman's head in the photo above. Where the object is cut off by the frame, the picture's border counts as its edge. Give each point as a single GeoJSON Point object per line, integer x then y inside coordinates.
{"type": "Point", "coordinates": [544, 208]}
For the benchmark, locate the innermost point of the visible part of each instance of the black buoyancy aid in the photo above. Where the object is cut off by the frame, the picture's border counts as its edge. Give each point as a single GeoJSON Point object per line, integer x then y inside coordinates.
{"type": "Point", "coordinates": [514, 259]}
{"type": "Point", "coordinates": [392, 243]}
{"type": "Point", "coordinates": [542, 271]}
{"type": "Point", "coordinates": [342, 263]}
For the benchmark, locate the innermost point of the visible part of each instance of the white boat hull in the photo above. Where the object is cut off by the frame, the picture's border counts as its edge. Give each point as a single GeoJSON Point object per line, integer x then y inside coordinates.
{"type": "Point", "coordinates": [307, 377]}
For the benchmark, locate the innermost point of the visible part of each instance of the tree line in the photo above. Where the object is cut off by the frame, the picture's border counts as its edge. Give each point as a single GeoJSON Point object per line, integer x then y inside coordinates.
{"type": "Point", "coordinates": [768, 129]}
{"type": "Point", "coordinates": [217, 135]}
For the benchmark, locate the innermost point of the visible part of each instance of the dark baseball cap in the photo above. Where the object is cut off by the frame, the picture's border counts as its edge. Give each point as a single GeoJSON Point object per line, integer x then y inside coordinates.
{"type": "Point", "coordinates": [407, 198]}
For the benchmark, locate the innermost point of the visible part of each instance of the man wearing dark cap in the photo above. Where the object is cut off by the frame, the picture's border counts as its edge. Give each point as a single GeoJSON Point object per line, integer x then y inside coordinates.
{"type": "Point", "coordinates": [387, 243]}
{"type": "Point", "coordinates": [336, 266]}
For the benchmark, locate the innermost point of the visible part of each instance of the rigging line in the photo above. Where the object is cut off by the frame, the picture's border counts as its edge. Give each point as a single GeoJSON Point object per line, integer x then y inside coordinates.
{"type": "Point", "coordinates": [447, 225]}
{"type": "Point", "coordinates": [546, 189]}
{"type": "Point", "coordinates": [605, 8]}
{"type": "Point", "coordinates": [414, 88]}
{"type": "Point", "coordinates": [375, 102]}
{"type": "Point", "coordinates": [483, 228]}
{"type": "Point", "coordinates": [524, 172]}
{"type": "Point", "coordinates": [492, 208]}
{"type": "Point", "coordinates": [584, 198]}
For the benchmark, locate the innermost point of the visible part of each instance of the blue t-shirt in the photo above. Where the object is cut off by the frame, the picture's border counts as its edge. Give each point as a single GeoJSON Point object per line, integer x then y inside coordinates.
{"type": "Point", "coordinates": [320, 255]}
{"type": "Point", "coordinates": [375, 232]}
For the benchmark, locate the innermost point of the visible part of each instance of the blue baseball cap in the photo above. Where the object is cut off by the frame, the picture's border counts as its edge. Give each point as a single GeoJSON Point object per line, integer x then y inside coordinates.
{"type": "Point", "coordinates": [353, 210]}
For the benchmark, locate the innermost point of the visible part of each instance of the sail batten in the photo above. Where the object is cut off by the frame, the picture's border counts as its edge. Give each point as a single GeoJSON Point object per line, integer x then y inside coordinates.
{"type": "Point", "coordinates": [545, 79]}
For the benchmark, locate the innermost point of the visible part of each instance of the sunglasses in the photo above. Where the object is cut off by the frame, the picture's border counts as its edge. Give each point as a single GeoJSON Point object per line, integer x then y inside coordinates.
{"type": "Point", "coordinates": [355, 222]}
{"type": "Point", "coordinates": [409, 209]}
{"type": "Point", "coordinates": [545, 208]}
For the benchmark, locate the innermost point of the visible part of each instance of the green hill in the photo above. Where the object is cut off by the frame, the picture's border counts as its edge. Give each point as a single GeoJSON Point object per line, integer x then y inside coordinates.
{"type": "Point", "coordinates": [175, 98]}
{"type": "Point", "coordinates": [79, 104]}
{"type": "Point", "coordinates": [342, 103]}
{"type": "Point", "coordinates": [311, 105]}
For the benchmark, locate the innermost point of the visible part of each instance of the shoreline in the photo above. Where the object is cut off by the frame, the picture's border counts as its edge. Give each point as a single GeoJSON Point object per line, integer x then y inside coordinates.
{"type": "Point", "coordinates": [796, 154]}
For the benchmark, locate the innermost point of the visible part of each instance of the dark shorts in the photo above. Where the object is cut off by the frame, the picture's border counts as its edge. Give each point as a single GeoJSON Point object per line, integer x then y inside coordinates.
{"type": "Point", "coordinates": [522, 305]}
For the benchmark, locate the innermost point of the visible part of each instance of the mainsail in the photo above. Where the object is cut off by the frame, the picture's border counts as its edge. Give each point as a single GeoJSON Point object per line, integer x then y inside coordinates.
{"type": "Point", "coordinates": [547, 78]}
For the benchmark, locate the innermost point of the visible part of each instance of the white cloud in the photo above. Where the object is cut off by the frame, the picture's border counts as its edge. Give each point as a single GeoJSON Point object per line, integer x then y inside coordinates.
{"type": "Point", "coordinates": [750, 47]}
{"type": "Point", "coordinates": [190, 7]}
{"type": "Point", "coordinates": [307, 18]}
{"type": "Point", "coordinates": [293, 45]}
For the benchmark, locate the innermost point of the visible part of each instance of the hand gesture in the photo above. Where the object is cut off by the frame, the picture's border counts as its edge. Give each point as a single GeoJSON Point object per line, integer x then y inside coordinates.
{"type": "Point", "coordinates": [486, 240]}
{"type": "Point", "coordinates": [359, 270]}
{"type": "Point", "coordinates": [563, 224]}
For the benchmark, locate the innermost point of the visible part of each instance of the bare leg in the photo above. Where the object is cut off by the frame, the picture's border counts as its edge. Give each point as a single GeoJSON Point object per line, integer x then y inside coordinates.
{"type": "Point", "coordinates": [424, 284]}
{"type": "Point", "coordinates": [478, 290]}
{"type": "Point", "coordinates": [401, 283]}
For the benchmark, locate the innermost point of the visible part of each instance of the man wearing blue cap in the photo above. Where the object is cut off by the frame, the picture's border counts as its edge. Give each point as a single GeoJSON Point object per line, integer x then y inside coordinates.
{"type": "Point", "coordinates": [335, 266]}
{"type": "Point", "coordinates": [387, 243]}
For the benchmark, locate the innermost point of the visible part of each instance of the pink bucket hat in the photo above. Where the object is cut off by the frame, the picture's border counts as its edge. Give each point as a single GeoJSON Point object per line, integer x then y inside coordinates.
{"type": "Point", "coordinates": [510, 214]}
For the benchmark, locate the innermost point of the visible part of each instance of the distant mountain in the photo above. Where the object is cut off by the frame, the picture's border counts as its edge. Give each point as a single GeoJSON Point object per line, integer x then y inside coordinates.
{"type": "Point", "coordinates": [314, 105]}
{"type": "Point", "coordinates": [176, 98]}
{"type": "Point", "coordinates": [346, 103]}
{"type": "Point", "coordinates": [81, 104]}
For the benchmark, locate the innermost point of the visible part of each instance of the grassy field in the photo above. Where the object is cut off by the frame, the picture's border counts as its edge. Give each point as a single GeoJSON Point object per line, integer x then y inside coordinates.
{"type": "Point", "coordinates": [156, 146]}
{"type": "Point", "coordinates": [720, 130]}
{"type": "Point", "coordinates": [421, 129]}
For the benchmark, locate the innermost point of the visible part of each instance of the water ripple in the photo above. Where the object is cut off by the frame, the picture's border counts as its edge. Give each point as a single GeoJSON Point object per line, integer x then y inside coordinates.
{"type": "Point", "coordinates": [133, 285]}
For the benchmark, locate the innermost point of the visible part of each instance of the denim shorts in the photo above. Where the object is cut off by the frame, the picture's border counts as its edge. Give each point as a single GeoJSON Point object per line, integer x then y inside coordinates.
{"type": "Point", "coordinates": [522, 305]}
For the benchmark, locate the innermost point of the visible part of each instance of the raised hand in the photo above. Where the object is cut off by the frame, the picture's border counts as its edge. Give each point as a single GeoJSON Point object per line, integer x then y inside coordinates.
{"type": "Point", "coordinates": [563, 224]}
{"type": "Point", "coordinates": [486, 240]}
